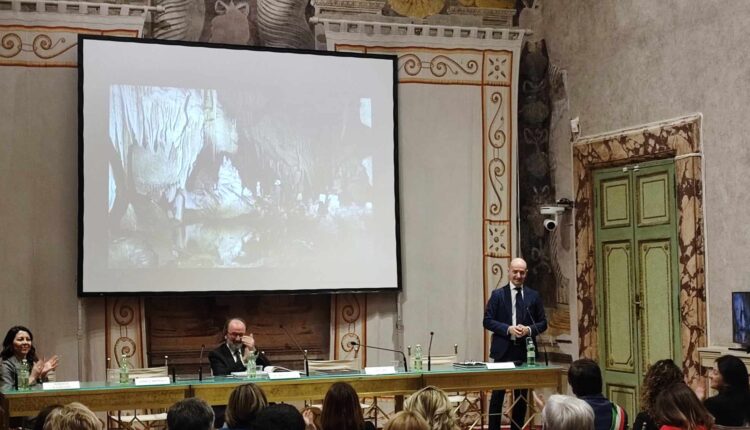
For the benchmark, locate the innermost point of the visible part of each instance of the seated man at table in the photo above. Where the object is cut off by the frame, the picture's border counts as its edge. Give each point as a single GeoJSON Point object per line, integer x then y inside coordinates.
{"type": "Point", "coordinates": [232, 355]}
{"type": "Point", "coordinates": [585, 378]}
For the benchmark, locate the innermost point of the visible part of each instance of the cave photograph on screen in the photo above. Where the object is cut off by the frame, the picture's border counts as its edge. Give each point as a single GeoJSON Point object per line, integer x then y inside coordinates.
{"type": "Point", "coordinates": [204, 178]}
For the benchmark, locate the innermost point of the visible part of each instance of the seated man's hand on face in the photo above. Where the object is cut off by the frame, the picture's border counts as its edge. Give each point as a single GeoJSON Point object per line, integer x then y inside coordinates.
{"type": "Point", "coordinates": [249, 342]}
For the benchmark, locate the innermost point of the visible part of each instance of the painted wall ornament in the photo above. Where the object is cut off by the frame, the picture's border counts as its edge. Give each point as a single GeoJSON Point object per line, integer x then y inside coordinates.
{"type": "Point", "coordinates": [230, 25]}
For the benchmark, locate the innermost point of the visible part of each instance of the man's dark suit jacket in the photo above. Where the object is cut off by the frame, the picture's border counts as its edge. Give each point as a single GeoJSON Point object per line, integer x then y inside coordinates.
{"type": "Point", "coordinates": [222, 362]}
{"type": "Point", "coordinates": [498, 317]}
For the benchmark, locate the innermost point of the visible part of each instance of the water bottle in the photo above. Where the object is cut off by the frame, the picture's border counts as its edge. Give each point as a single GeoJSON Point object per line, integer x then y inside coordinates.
{"type": "Point", "coordinates": [418, 357]}
{"type": "Point", "coordinates": [250, 365]}
{"type": "Point", "coordinates": [23, 375]}
{"type": "Point", "coordinates": [530, 352]}
{"type": "Point", "coordinates": [124, 369]}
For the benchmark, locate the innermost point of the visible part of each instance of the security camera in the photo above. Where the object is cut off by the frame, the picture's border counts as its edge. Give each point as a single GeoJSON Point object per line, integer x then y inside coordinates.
{"type": "Point", "coordinates": [550, 223]}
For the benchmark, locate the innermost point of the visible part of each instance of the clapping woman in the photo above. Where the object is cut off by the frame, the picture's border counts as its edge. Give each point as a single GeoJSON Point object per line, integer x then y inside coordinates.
{"type": "Point", "coordinates": [18, 346]}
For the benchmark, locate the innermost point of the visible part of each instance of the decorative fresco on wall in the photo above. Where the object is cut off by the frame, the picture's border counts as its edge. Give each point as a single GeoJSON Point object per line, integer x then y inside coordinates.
{"type": "Point", "coordinates": [536, 184]}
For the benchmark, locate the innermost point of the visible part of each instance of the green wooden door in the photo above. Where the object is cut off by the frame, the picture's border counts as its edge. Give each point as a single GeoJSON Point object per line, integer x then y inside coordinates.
{"type": "Point", "coordinates": [637, 289]}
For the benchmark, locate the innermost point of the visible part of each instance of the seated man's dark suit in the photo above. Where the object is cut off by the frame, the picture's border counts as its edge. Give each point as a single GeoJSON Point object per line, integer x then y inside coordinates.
{"type": "Point", "coordinates": [498, 317]}
{"type": "Point", "coordinates": [222, 362]}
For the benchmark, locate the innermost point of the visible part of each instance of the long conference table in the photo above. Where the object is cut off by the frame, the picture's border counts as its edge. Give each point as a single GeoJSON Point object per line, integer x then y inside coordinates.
{"type": "Point", "coordinates": [108, 396]}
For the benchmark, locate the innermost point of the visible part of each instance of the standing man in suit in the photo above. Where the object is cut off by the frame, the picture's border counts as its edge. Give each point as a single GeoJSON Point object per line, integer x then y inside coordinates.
{"type": "Point", "coordinates": [232, 355]}
{"type": "Point", "coordinates": [513, 313]}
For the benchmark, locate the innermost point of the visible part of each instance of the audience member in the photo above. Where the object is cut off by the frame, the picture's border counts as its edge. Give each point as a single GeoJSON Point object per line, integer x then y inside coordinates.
{"type": "Point", "coordinates": [41, 417]}
{"type": "Point", "coordinates": [18, 346]}
{"type": "Point", "coordinates": [245, 402]}
{"type": "Point", "coordinates": [678, 408]}
{"type": "Point", "coordinates": [432, 404]}
{"type": "Point", "coordinates": [311, 414]}
{"type": "Point", "coordinates": [342, 410]}
{"type": "Point", "coordinates": [563, 412]}
{"type": "Point", "coordinates": [73, 416]}
{"type": "Point", "coordinates": [585, 377]}
{"type": "Point", "coordinates": [661, 374]}
{"type": "Point", "coordinates": [731, 407]}
{"type": "Point", "coordinates": [406, 420]}
{"type": "Point", "coordinates": [190, 414]}
{"type": "Point", "coordinates": [280, 417]}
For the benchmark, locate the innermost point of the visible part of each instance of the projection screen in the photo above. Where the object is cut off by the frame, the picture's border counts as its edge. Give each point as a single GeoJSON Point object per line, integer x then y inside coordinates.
{"type": "Point", "coordinates": [231, 169]}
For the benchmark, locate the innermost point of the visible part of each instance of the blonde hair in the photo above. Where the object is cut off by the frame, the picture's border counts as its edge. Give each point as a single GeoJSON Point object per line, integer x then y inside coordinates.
{"type": "Point", "coordinates": [73, 416]}
{"type": "Point", "coordinates": [406, 420]}
{"type": "Point", "coordinates": [567, 413]}
{"type": "Point", "coordinates": [432, 404]}
{"type": "Point", "coordinates": [244, 403]}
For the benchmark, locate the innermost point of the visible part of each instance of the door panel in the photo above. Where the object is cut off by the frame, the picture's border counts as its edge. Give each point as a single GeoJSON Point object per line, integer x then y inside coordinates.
{"type": "Point", "coordinates": [617, 291]}
{"type": "Point", "coordinates": [636, 239]}
{"type": "Point", "coordinates": [615, 202]}
{"type": "Point", "coordinates": [656, 293]}
{"type": "Point", "coordinates": [654, 199]}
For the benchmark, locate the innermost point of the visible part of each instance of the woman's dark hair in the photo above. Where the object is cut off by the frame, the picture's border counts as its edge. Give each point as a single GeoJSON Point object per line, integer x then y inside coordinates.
{"type": "Point", "coordinates": [8, 344]}
{"type": "Point", "coordinates": [661, 374]}
{"type": "Point", "coordinates": [243, 406]}
{"type": "Point", "coordinates": [341, 409]}
{"type": "Point", "coordinates": [678, 406]}
{"type": "Point", "coordinates": [733, 373]}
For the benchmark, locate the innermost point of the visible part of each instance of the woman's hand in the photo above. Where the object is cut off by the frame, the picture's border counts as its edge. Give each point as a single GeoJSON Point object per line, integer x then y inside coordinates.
{"type": "Point", "coordinates": [309, 417]}
{"type": "Point", "coordinates": [47, 366]}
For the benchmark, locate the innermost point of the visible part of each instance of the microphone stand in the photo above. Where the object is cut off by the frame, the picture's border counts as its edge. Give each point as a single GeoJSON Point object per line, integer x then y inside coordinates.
{"type": "Point", "coordinates": [429, 352]}
{"type": "Point", "coordinates": [544, 350]}
{"type": "Point", "coordinates": [200, 364]}
{"type": "Point", "coordinates": [299, 348]}
{"type": "Point", "coordinates": [406, 367]}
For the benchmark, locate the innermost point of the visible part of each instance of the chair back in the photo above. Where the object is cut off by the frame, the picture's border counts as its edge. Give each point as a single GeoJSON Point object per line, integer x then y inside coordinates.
{"type": "Point", "coordinates": [332, 366]}
{"type": "Point", "coordinates": [113, 375]}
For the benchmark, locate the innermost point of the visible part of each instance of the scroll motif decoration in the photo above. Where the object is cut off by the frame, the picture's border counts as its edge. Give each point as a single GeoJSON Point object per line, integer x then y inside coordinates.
{"type": "Point", "coordinates": [122, 313]}
{"type": "Point", "coordinates": [495, 132]}
{"type": "Point", "coordinates": [496, 170]}
{"type": "Point", "coordinates": [12, 43]}
{"type": "Point", "coordinates": [439, 65]}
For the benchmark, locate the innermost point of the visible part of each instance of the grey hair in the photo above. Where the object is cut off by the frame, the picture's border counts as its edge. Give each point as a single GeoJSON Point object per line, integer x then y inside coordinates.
{"type": "Point", "coordinates": [567, 413]}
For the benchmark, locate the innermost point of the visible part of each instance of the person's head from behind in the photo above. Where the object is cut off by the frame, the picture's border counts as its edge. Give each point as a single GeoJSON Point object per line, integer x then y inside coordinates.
{"type": "Point", "coordinates": [661, 374]}
{"type": "Point", "coordinates": [729, 374]}
{"type": "Point", "coordinates": [432, 404]}
{"type": "Point", "coordinates": [407, 420]}
{"type": "Point", "coordinates": [585, 377]}
{"type": "Point", "coordinates": [73, 416]}
{"type": "Point", "coordinates": [41, 417]}
{"type": "Point", "coordinates": [567, 413]}
{"type": "Point", "coordinates": [341, 408]}
{"type": "Point", "coordinates": [244, 403]}
{"type": "Point", "coordinates": [678, 406]}
{"type": "Point", "coordinates": [18, 342]}
{"type": "Point", "coordinates": [279, 417]}
{"type": "Point", "coordinates": [190, 414]}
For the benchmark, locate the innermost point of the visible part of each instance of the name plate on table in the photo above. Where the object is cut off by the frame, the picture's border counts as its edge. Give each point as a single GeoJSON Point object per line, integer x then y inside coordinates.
{"type": "Point", "coordinates": [62, 385]}
{"type": "Point", "coordinates": [284, 375]}
{"type": "Point", "coordinates": [155, 380]}
{"type": "Point", "coordinates": [501, 365]}
{"type": "Point", "coordinates": [380, 370]}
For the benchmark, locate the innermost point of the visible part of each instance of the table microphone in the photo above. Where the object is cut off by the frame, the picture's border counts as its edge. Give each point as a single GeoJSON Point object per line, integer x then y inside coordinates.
{"type": "Point", "coordinates": [429, 352]}
{"type": "Point", "coordinates": [200, 363]}
{"type": "Point", "coordinates": [299, 348]}
{"type": "Point", "coordinates": [406, 367]}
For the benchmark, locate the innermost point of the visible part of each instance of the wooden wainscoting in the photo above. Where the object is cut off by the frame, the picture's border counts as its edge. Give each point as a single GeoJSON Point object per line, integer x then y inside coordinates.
{"type": "Point", "coordinates": [178, 326]}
